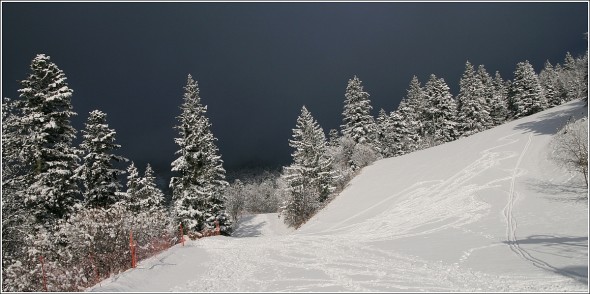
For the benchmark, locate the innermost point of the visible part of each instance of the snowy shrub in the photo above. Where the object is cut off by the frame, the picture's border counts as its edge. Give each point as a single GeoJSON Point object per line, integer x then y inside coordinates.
{"type": "Point", "coordinates": [99, 237]}
{"type": "Point", "coordinates": [235, 201]}
{"type": "Point", "coordinates": [93, 244]}
{"type": "Point", "coordinates": [341, 161]}
{"type": "Point", "coordinates": [47, 262]}
{"type": "Point", "coordinates": [261, 197]}
{"type": "Point", "coordinates": [364, 155]}
{"type": "Point", "coordinates": [570, 147]}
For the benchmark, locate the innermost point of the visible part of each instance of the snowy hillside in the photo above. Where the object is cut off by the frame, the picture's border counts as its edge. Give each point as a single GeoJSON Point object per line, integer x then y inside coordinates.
{"type": "Point", "coordinates": [489, 212]}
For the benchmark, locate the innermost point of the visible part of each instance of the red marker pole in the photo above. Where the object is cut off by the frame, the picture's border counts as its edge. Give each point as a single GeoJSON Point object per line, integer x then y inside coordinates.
{"type": "Point", "coordinates": [181, 234]}
{"type": "Point", "coordinates": [132, 249]}
{"type": "Point", "coordinates": [43, 271]}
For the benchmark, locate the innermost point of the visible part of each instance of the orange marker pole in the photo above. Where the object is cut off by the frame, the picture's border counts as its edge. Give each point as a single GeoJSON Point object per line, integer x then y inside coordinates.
{"type": "Point", "coordinates": [43, 271]}
{"type": "Point", "coordinates": [131, 249]}
{"type": "Point", "coordinates": [181, 234]}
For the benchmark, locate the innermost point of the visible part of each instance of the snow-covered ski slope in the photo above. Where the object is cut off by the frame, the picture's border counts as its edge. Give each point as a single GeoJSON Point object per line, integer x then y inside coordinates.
{"type": "Point", "coordinates": [489, 212]}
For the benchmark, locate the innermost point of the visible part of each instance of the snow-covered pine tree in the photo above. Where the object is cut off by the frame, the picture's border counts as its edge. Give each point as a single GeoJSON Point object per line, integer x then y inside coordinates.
{"type": "Point", "coordinates": [583, 68]}
{"type": "Point", "coordinates": [131, 196]}
{"type": "Point", "coordinates": [488, 92]}
{"type": "Point", "coordinates": [198, 188]}
{"type": "Point", "coordinates": [15, 173]}
{"type": "Point", "coordinates": [334, 137]}
{"type": "Point", "coordinates": [40, 165]}
{"type": "Point", "coordinates": [310, 177]}
{"type": "Point", "coordinates": [498, 105]}
{"type": "Point", "coordinates": [402, 139]}
{"type": "Point", "coordinates": [150, 196]}
{"type": "Point", "coordinates": [472, 115]}
{"type": "Point", "coordinates": [359, 124]}
{"type": "Point", "coordinates": [440, 112]}
{"type": "Point", "coordinates": [570, 77]}
{"type": "Point", "coordinates": [575, 76]}
{"type": "Point", "coordinates": [384, 134]}
{"type": "Point", "coordinates": [525, 94]}
{"type": "Point", "coordinates": [15, 178]}
{"type": "Point", "coordinates": [553, 89]}
{"type": "Point", "coordinates": [97, 173]}
{"type": "Point", "coordinates": [412, 110]}
{"type": "Point", "coordinates": [47, 148]}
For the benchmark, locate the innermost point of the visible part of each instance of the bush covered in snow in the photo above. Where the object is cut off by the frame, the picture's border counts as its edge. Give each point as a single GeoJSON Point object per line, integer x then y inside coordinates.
{"type": "Point", "coordinates": [570, 146]}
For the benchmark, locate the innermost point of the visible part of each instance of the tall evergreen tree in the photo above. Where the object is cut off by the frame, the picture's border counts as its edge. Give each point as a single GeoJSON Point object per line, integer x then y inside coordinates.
{"type": "Point", "coordinates": [384, 133]}
{"type": "Point", "coordinates": [525, 95]}
{"type": "Point", "coordinates": [132, 200]}
{"type": "Point", "coordinates": [575, 76]}
{"type": "Point", "coordinates": [150, 196]}
{"type": "Point", "coordinates": [440, 112]}
{"type": "Point", "coordinates": [47, 147]}
{"type": "Point", "coordinates": [402, 137]}
{"type": "Point", "coordinates": [334, 137]}
{"type": "Point", "coordinates": [472, 114]}
{"type": "Point", "coordinates": [15, 178]}
{"type": "Point", "coordinates": [488, 92]}
{"type": "Point", "coordinates": [310, 177]}
{"type": "Point", "coordinates": [498, 106]}
{"type": "Point", "coordinates": [39, 189]}
{"type": "Point", "coordinates": [99, 177]}
{"type": "Point", "coordinates": [553, 89]}
{"type": "Point", "coordinates": [359, 124]}
{"type": "Point", "coordinates": [412, 111]}
{"type": "Point", "coordinates": [198, 188]}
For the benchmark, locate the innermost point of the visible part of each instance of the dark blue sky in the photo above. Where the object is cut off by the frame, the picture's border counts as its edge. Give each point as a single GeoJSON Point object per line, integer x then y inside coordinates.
{"type": "Point", "coordinates": [258, 63]}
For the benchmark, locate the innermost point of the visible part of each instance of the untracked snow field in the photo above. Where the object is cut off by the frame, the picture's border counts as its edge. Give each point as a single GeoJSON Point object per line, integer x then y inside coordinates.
{"type": "Point", "coordinates": [490, 212]}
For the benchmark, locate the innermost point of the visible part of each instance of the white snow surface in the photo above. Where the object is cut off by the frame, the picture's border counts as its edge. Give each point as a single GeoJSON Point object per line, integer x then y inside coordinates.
{"type": "Point", "coordinates": [490, 212]}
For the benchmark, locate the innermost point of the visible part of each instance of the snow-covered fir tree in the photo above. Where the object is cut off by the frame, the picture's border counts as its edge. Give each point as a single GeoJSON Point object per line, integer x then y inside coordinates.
{"type": "Point", "coordinates": [334, 137]}
{"type": "Point", "coordinates": [440, 114]}
{"type": "Point", "coordinates": [310, 177]}
{"type": "Point", "coordinates": [359, 124]}
{"type": "Point", "coordinates": [472, 113]}
{"type": "Point", "coordinates": [39, 187]}
{"type": "Point", "coordinates": [131, 198]}
{"type": "Point", "coordinates": [15, 178]}
{"type": "Point", "coordinates": [488, 92]}
{"type": "Point", "coordinates": [574, 76]}
{"type": "Point", "coordinates": [149, 195]}
{"type": "Point", "coordinates": [97, 173]}
{"type": "Point", "coordinates": [571, 77]}
{"type": "Point", "coordinates": [498, 105]}
{"type": "Point", "coordinates": [384, 134]}
{"type": "Point", "coordinates": [411, 109]}
{"type": "Point", "coordinates": [401, 138]}
{"type": "Point", "coordinates": [553, 90]}
{"type": "Point", "coordinates": [198, 188]}
{"type": "Point", "coordinates": [525, 94]}
{"type": "Point", "coordinates": [47, 149]}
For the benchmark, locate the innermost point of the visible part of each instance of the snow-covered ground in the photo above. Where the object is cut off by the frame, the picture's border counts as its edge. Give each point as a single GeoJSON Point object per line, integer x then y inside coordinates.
{"type": "Point", "coordinates": [486, 213]}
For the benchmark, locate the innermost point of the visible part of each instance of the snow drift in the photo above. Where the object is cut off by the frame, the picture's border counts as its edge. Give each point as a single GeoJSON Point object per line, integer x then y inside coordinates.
{"type": "Point", "coordinates": [490, 212]}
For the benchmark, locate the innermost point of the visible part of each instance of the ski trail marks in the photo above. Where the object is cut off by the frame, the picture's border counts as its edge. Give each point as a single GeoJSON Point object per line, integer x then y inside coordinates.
{"type": "Point", "coordinates": [512, 224]}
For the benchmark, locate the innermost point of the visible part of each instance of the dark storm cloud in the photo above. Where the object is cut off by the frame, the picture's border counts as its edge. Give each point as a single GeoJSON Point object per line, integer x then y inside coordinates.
{"type": "Point", "coordinates": [258, 63]}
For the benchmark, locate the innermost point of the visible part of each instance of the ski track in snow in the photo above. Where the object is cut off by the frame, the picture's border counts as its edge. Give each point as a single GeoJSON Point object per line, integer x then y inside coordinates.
{"type": "Point", "coordinates": [512, 224]}
{"type": "Point", "coordinates": [324, 264]}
